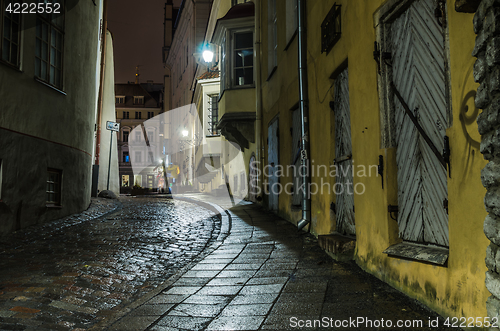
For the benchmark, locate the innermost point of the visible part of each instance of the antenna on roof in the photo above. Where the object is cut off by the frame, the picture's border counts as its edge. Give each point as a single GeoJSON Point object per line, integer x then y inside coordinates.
{"type": "Point", "coordinates": [137, 74]}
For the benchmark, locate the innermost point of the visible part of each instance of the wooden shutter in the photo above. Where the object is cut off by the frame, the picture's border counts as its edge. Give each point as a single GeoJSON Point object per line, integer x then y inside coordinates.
{"type": "Point", "coordinates": [343, 154]}
{"type": "Point", "coordinates": [418, 65]}
{"type": "Point", "coordinates": [272, 160]}
{"type": "Point", "coordinates": [296, 148]}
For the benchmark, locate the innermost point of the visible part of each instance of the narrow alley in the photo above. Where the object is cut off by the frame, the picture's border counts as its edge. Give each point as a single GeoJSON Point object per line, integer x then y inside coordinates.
{"type": "Point", "coordinates": [168, 264]}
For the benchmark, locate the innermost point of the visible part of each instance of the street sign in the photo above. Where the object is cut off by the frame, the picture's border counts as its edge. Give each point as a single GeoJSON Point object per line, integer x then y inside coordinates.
{"type": "Point", "coordinates": [112, 126]}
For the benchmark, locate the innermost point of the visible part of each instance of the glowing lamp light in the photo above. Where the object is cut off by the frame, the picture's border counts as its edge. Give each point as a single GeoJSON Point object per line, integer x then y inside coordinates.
{"type": "Point", "coordinates": [208, 56]}
{"type": "Point", "coordinates": [184, 133]}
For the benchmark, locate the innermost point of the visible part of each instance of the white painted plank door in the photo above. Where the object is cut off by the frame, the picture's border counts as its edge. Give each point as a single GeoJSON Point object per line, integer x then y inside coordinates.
{"type": "Point", "coordinates": [252, 179]}
{"type": "Point", "coordinates": [296, 148]}
{"type": "Point", "coordinates": [272, 160]}
{"type": "Point", "coordinates": [418, 63]}
{"type": "Point", "coordinates": [343, 153]}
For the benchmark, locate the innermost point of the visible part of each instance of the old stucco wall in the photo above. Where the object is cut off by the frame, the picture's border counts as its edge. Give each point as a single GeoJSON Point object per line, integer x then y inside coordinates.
{"type": "Point", "coordinates": [109, 115]}
{"type": "Point", "coordinates": [43, 128]}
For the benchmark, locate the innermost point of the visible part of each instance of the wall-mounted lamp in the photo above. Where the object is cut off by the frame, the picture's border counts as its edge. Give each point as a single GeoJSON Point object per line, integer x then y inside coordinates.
{"type": "Point", "coordinates": [208, 56]}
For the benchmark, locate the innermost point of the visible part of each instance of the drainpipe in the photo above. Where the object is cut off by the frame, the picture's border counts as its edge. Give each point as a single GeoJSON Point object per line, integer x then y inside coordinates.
{"type": "Point", "coordinates": [259, 155]}
{"type": "Point", "coordinates": [304, 114]}
{"type": "Point", "coordinates": [101, 83]}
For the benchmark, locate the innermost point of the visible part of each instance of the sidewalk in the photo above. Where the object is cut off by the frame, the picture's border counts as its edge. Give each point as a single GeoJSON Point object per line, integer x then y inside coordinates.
{"type": "Point", "coordinates": [265, 275]}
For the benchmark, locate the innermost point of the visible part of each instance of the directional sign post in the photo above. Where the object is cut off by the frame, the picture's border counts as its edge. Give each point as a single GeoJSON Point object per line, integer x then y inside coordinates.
{"type": "Point", "coordinates": [111, 126]}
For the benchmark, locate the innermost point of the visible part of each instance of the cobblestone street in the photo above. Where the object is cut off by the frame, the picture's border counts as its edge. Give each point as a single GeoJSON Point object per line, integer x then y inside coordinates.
{"type": "Point", "coordinates": [194, 263]}
{"type": "Point", "coordinates": [72, 273]}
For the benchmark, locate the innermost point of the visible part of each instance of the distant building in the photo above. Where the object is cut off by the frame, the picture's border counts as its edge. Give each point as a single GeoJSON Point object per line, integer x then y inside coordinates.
{"type": "Point", "coordinates": [48, 75]}
{"type": "Point", "coordinates": [185, 29]}
{"type": "Point", "coordinates": [136, 104]}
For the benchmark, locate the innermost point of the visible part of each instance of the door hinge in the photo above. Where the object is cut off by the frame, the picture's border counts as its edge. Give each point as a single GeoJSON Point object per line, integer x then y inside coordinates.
{"type": "Point", "coordinates": [440, 13]}
{"type": "Point", "coordinates": [445, 205]}
{"type": "Point", "coordinates": [446, 154]}
{"type": "Point", "coordinates": [380, 168]}
{"type": "Point", "coordinates": [380, 56]}
{"type": "Point", "coordinates": [392, 209]}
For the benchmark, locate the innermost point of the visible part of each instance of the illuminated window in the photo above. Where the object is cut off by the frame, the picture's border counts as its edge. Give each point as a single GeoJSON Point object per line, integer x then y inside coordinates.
{"type": "Point", "coordinates": [125, 180]}
{"type": "Point", "coordinates": [126, 157]}
{"type": "Point", "coordinates": [242, 58]}
{"type": "Point", "coordinates": [237, 2]}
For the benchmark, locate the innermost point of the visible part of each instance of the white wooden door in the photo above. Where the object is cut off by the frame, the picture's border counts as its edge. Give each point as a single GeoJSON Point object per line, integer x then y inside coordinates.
{"type": "Point", "coordinates": [272, 160]}
{"type": "Point", "coordinates": [252, 179]}
{"type": "Point", "coordinates": [298, 190]}
{"type": "Point", "coordinates": [343, 157]}
{"type": "Point", "coordinates": [418, 63]}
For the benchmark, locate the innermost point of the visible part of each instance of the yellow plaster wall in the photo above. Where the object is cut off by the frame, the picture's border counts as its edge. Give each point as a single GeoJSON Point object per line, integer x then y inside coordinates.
{"type": "Point", "coordinates": [455, 290]}
{"type": "Point", "coordinates": [237, 100]}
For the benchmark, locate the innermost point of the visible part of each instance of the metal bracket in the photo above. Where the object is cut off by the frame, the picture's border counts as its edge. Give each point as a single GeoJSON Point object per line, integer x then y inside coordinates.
{"type": "Point", "coordinates": [379, 56]}
{"type": "Point", "coordinates": [447, 153]}
{"type": "Point", "coordinates": [342, 159]}
{"type": "Point", "coordinates": [418, 126]}
{"type": "Point", "coordinates": [380, 168]}
{"type": "Point", "coordinates": [392, 209]}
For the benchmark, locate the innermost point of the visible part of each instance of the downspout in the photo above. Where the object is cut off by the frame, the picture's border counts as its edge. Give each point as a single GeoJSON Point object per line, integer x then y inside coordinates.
{"type": "Point", "coordinates": [304, 114]}
{"type": "Point", "coordinates": [101, 83]}
{"type": "Point", "coordinates": [259, 155]}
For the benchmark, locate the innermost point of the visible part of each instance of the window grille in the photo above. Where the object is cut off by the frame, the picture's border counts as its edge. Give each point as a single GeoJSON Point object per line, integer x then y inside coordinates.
{"type": "Point", "coordinates": [330, 29]}
{"type": "Point", "coordinates": [213, 115]}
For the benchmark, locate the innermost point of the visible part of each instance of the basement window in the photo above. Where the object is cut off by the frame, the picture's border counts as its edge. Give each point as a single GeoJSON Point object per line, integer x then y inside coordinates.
{"type": "Point", "coordinates": [54, 179]}
{"type": "Point", "coordinates": [330, 29]}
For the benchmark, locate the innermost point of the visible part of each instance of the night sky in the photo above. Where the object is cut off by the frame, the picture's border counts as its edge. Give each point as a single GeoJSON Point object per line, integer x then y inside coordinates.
{"type": "Point", "coordinates": [137, 39]}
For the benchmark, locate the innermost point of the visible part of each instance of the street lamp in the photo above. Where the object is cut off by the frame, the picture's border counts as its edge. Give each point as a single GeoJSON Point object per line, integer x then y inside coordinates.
{"type": "Point", "coordinates": [208, 56]}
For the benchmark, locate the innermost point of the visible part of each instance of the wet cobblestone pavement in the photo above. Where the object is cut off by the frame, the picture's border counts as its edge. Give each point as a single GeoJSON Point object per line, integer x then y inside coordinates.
{"type": "Point", "coordinates": [73, 273]}
{"type": "Point", "coordinates": [268, 276]}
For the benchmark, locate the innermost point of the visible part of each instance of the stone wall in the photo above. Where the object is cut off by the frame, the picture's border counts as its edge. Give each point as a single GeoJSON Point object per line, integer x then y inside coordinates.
{"type": "Point", "coordinates": [487, 73]}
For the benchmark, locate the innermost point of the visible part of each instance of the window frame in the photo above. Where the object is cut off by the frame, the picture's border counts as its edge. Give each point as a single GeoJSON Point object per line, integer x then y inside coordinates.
{"type": "Point", "coordinates": [238, 2]}
{"type": "Point", "coordinates": [125, 136]}
{"type": "Point", "coordinates": [125, 157]}
{"type": "Point", "coordinates": [212, 127]}
{"type": "Point", "coordinates": [42, 19]}
{"type": "Point", "coordinates": [232, 58]}
{"type": "Point", "coordinates": [272, 36]}
{"type": "Point", "coordinates": [291, 21]}
{"type": "Point", "coordinates": [138, 115]}
{"type": "Point", "coordinates": [57, 188]}
{"type": "Point", "coordinates": [3, 16]}
{"type": "Point", "coordinates": [138, 157]}
{"type": "Point", "coordinates": [119, 98]}
{"type": "Point", "coordinates": [138, 100]}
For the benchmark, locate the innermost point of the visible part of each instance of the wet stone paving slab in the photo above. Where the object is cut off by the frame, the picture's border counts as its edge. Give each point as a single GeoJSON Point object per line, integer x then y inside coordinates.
{"type": "Point", "coordinates": [73, 273]}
